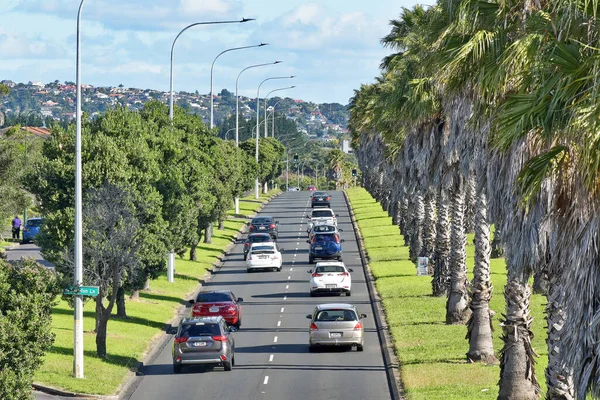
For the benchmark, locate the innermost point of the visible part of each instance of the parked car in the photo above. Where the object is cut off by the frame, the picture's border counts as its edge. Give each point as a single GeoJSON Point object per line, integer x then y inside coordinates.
{"type": "Point", "coordinates": [293, 189]}
{"type": "Point", "coordinates": [264, 256]}
{"type": "Point", "coordinates": [325, 246]}
{"type": "Point", "coordinates": [320, 199]}
{"type": "Point", "coordinates": [218, 303]}
{"type": "Point", "coordinates": [264, 224]}
{"type": "Point", "coordinates": [323, 229]}
{"type": "Point", "coordinates": [31, 229]}
{"type": "Point", "coordinates": [336, 325]}
{"type": "Point", "coordinates": [255, 238]}
{"type": "Point", "coordinates": [311, 187]}
{"type": "Point", "coordinates": [330, 277]}
{"type": "Point", "coordinates": [321, 216]}
{"type": "Point", "coordinates": [203, 340]}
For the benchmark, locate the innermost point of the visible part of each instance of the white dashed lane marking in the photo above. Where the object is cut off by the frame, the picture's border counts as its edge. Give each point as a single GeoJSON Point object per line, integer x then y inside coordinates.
{"type": "Point", "coordinates": [275, 339]}
{"type": "Point", "coordinates": [266, 380]}
{"type": "Point", "coordinates": [282, 309]}
{"type": "Point", "coordinates": [278, 323]}
{"type": "Point", "coordinates": [287, 286]}
{"type": "Point", "coordinates": [271, 358]}
{"type": "Point", "coordinates": [285, 297]}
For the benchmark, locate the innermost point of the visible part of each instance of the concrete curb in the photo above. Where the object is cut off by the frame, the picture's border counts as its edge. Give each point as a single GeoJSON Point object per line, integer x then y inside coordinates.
{"type": "Point", "coordinates": [392, 365]}
{"type": "Point", "coordinates": [158, 344]}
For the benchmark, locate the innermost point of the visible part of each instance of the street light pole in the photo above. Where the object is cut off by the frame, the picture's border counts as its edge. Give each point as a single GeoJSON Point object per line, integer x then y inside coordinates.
{"type": "Point", "coordinates": [273, 120]}
{"type": "Point", "coordinates": [274, 90]}
{"type": "Point", "coordinates": [173, 48]}
{"type": "Point", "coordinates": [257, 119]}
{"type": "Point", "coordinates": [237, 117]}
{"type": "Point", "coordinates": [78, 369]}
{"type": "Point", "coordinates": [212, 125]}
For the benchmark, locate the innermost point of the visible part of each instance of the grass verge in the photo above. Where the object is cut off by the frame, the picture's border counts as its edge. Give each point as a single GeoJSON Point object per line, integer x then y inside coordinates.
{"type": "Point", "coordinates": [432, 354]}
{"type": "Point", "coordinates": [130, 339]}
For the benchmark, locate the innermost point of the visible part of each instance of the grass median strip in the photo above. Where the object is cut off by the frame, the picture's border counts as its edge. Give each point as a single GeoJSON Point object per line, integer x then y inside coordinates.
{"type": "Point", "coordinates": [432, 354]}
{"type": "Point", "coordinates": [128, 340]}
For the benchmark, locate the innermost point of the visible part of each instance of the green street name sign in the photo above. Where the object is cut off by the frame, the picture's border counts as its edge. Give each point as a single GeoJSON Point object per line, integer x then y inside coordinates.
{"type": "Point", "coordinates": [91, 291]}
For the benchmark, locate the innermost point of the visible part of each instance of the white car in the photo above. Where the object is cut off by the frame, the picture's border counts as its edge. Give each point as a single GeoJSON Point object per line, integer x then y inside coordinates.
{"type": "Point", "coordinates": [330, 276]}
{"type": "Point", "coordinates": [321, 216]}
{"type": "Point", "coordinates": [264, 256]}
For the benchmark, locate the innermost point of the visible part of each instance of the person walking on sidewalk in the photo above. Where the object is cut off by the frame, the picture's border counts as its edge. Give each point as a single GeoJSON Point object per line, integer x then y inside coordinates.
{"type": "Point", "coordinates": [16, 227]}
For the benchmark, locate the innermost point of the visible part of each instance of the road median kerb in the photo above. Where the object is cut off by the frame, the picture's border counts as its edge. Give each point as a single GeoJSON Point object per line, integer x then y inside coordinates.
{"type": "Point", "coordinates": [392, 365]}
{"type": "Point", "coordinates": [158, 344]}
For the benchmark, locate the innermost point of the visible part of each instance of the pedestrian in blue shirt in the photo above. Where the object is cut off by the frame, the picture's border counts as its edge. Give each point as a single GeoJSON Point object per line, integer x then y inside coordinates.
{"type": "Point", "coordinates": [16, 227]}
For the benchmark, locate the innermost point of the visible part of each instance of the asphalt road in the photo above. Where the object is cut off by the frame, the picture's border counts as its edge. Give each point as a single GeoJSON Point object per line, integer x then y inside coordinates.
{"type": "Point", "coordinates": [28, 250]}
{"type": "Point", "coordinates": [272, 357]}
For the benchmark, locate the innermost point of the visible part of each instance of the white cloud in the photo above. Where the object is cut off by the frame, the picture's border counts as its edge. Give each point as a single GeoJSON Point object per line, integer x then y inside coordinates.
{"type": "Point", "coordinates": [196, 7]}
{"type": "Point", "coordinates": [305, 14]}
{"type": "Point", "coordinates": [18, 46]}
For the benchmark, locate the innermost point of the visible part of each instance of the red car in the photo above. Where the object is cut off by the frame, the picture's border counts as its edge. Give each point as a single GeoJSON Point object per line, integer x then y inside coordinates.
{"type": "Point", "coordinates": [218, 302]}
{"type": "Point", "coordinates": [312, 188]}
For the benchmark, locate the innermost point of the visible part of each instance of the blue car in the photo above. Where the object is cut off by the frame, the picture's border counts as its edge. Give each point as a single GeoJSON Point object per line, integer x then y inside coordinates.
{"type": "Point", "coordinates": [326, 246]}
{"type": "Point", "coordinates": [31, 229]}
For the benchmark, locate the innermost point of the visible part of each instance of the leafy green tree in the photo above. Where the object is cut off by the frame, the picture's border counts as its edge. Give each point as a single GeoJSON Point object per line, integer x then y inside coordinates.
{"type": "Point", "coordinates": [27, 295]}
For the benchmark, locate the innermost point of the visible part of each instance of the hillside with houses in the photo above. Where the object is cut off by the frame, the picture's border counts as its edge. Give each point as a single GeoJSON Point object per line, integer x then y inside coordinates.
{"type": "Point", "coordinates": [40, 103]}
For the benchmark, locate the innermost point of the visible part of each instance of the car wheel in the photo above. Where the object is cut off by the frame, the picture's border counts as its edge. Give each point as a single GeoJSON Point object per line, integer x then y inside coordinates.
{"type": "Point", "coordinates": [310, 260]}
{"type": "Point", "coordinates": [248, 270]}
{"type": "Point", "coordinates": [227, 365]}
{"type": "Point", "coordinates": [312, 294]}
{"type": "Point", "coordinates": [238, 325]}
{"type": "Point", "coordinates": [359, 347]}
{"type": "Point", "coordinates": [348, 293]}
{"type": "Point", "coordinates": [279, 269]}
{"type": "Point", "coordinates": [233, 361]}
{"type": "Point", "coordinates": [245, 256]}
{"type": "Point", "coordinates": [311, 348]}
{"type": "Point", "coordinates": [176, 368]}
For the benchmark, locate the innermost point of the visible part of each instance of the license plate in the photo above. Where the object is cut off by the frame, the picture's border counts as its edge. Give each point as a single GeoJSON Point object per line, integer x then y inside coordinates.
{"type": "Point", "coordinates": [213, 309]}
{"type": "Point", "coordinates": [262, 228]}
{"type": "Point", "coordinates": [335, 334]}
{"type": "Point", "coordinates": [320, 199]}
{"type": "Point", "coordinates": [330, 286]}
{"type": "Point", "coordinates": [199, 344]}
{"type": "Point", "coordinates": [263, 257]}
{"type": "Point", "coordinates": [319, 248]}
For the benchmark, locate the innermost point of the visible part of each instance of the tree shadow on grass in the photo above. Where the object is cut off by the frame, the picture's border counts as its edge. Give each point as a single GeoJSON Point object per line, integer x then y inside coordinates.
{"type": "Point", "coordinates": [250, 201]}
{"type": "Point", "coordinates": [130, 320]}
{"type": "Point", "coordinates": [130, 362]}
{"type": "Point", "coordinates": [185, 278]}
{"type": "Point", "coordinates": [162, 297]}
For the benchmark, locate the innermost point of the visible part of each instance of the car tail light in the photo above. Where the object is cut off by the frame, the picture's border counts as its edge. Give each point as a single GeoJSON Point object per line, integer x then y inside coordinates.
{"type": "Point", "coordinates": [251, 227]}
{"type": "Point", "coordinates": [344, 274]}
{"type": "Point", "coordinates": [275, 257]}
{"type": "Point", "coordinates": [272, 226]}
{"type": "Point", "coordinates": [223, 357]}
{"type": "Point", "coordinates": [314, 199]}
{"type": "Point", "coordinates": [223, 338]}
{"type": "Point", "coordinates": [328, 198]}
{"type": "Point", "coordinates": [231, 309]}
{"type": "Point", "coordinates": [316, 274]}
{"type": "Point", "coordinates": [313, 327]}
{"type": "Point", "coordinates": [249, 257]}
{"type": "Point", "coordinates": [337, 239]}
{"type": "Point", "coordinates": [181, 339]}
{"type": "Point", "coordinates": [358, 326]}
{"type": "Point", "coordinates": [247, 244]}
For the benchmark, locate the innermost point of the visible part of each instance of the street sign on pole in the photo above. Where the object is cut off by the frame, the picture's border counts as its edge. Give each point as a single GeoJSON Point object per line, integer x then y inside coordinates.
{"type": "Point", "coordinates": [91, 291]}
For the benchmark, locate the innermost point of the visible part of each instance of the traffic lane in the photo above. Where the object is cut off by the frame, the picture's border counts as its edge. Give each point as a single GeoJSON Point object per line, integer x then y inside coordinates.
{"type": "Point", "coordinates": [28, 250]}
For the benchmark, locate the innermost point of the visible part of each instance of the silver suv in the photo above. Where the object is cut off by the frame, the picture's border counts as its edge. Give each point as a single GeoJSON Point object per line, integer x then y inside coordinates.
{"type": "Point", "coordinates": [337, 324]}
{"type": "Point", "coordinates": [203, 340]}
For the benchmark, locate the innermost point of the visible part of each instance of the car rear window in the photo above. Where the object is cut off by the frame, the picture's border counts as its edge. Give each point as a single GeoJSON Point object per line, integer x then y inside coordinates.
{"type": "Point", "coordinates": [213, 297]}
{"type": "Point", "coordinates": [263, 249]}
{"type": "Point", "coordinates": [262, 220]}
{"type": "Point", "coordinates": [34, 222]}
{"type": "Point", "coordinates": [259, 238]}
{"type": "Point", "coordinates": [324, 228]}
{"type": "Point", "coordinates": [325, 238]}
{"type": "Point", "coordinates": [200, 329]}
{"type": "Point", "coordinates": [322, 213]}
{"type": "Point", "coordinates": [336, 315]}
{"type": "Point", "coordinates": [319, 194]}
{"type": "Point", "coordinates": [330, 268]}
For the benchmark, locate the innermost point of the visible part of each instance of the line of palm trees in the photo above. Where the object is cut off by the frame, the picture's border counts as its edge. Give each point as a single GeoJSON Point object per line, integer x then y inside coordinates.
{"type": "Point", "coordinates": [488, 113]}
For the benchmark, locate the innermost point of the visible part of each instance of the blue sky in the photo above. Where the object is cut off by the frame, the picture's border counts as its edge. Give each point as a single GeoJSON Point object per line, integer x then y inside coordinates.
{"type": "Point", "coordinates": [332, 46]}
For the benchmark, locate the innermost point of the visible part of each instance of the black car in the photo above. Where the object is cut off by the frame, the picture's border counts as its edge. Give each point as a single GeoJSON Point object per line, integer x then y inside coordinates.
{"type": "Point", "coordinates": [326, 246]}
{"type": "Point", "coordinates": [264, 224]}
{"type": "Point", "coordinates": [320, 199]}
{"type": "Point", "coordinates": [255, 238]}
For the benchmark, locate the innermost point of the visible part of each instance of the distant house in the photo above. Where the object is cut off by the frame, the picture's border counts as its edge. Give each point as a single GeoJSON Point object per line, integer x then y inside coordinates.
{"type": "Point", "coordinates": [34, 130]}
{"type": "Point", "coordinates": [36, 84]}
{"type": "Point", "coordinates": [8, 83]}
{"type": "Point", "coordinates": [101, 95]}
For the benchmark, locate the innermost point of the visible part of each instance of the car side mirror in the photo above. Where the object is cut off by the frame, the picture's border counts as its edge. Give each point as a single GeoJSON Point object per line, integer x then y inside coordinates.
{"type": "Point", "coordinates": [247, 223]}
{"type": "Point", "coordinates": [342, 241]}
{"type": "Point", "coordinates": [308, 316]}
{"type": "Point", "coordinates": [240, 299]}
{"type": "Point", "coordinates": [191, 301]}
{"type": "Point", "coordinates": [340, 230]}
{"type": "Point", "coordinates": [350, 270]}
{"type": "Point", "coordinates": [363, 315]}
{"type": "Point", "coordinates": [276, 222]}
{"type": "Point", "coordinates": [308, 271]}
{"type": "Point", "coordinates": [308, 241]}
{"type": "Point", "coordinates": [337, 215]}
{"type": "Point", "coordinates": [233, 329]}
{"type": "Point", "coordinates": [280, 250]}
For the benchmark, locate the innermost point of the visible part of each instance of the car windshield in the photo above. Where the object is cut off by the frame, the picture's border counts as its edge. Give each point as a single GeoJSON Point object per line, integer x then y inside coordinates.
{"type": "Point", "coordinates": [262, 220]}
{"type": "Point", "coordinates": [329, 268]}
{"type": "Point", "coordinates": [199, 329]}
{"type": "Point", "coordinates": [259, 238]}
{"type": "Point", "coordinates": [325, 238]}
{"type": "Point", "coordinates": [213, 297]}
{"type": "Point", "coordinates": [34, 222]}
{"type": "Point", "coordinates": [336, 315]}
{"type": "Point", "coordinates": [324, 228]}
{"type": "Point", "coordinates": [322, 213]}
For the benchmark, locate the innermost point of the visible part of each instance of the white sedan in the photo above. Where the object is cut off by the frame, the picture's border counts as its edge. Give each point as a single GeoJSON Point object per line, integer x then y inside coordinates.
{"type": "Point", "coordinates": [330, 276]}
{"type": "Point", "coordinates": [264, 256]}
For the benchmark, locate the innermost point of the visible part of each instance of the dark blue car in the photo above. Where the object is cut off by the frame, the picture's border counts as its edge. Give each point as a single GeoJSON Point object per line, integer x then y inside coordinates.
{"type": "Point", "coordinates": [325, 246]}
{"type": "Point", "coordinates": [31, 229]}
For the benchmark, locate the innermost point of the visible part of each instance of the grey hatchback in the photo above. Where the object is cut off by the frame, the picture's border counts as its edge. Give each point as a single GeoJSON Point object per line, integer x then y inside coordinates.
{"type": "Point", "coordinates": [203, 340]}
{"type": "Point", "coordinates": [337, 324]}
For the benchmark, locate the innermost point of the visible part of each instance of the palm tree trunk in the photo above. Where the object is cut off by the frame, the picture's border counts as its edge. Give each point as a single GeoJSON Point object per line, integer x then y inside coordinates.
{"type": "Point", "coordinates": [457, 307]}
{"type": "Point", "coordinates": [540, 281]}
{"type": "Point", "coordinates": [479, 327]}
{"type": "Point", "coordinates": [470, 204]}
{"type": "Point", "coordinates": [559, 380]}
{"type": "Point", "coordinates": [517, 372]}
{"type": "Point", "coordinates": [404, 219]}
{"type": "Point", "coordinates": [441, 256]}
{"type": "Point", "coordinates": [497, 245]}
{"type": "Point", "coordinates": [416, 229]}
{"type": "Point", "coordinates": [429, 233]}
